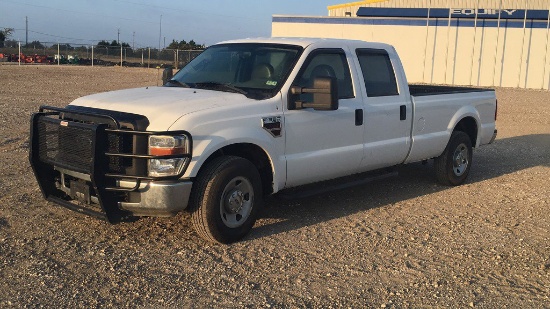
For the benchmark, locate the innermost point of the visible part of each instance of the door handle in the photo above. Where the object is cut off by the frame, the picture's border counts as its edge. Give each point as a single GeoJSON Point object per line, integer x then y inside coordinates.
{"type": "Point", "coordinates": [403, 112]}
{"type": "Point", "coordinates": [359, 117]}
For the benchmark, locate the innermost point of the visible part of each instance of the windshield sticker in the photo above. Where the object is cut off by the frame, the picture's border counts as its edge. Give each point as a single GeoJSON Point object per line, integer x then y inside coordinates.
{"type": "Point", "coordinates": [271, 83]}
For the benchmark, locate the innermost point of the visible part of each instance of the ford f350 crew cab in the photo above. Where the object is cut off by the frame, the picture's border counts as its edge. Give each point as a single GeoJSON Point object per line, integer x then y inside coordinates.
{"type": "Point", "coordinates": [249, 118]}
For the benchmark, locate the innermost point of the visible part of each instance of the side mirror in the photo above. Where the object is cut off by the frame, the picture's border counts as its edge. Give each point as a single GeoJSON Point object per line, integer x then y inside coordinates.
{"type": "Point", "coordinates": [325, 95]}
{"type": "Point", "coordinates": [167, 75]}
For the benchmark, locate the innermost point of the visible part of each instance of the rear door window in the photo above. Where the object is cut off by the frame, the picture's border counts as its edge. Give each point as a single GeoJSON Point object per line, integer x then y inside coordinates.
{"type": "Point", "coordinates": [378, 72]}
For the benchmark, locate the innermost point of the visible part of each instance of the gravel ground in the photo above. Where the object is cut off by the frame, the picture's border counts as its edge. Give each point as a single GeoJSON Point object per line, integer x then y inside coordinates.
{"type": "Point", "coordinates": [401, 242]}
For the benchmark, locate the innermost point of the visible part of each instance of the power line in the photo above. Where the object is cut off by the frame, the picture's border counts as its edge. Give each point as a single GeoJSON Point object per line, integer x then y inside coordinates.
{"type": "Point", "coordinates": [78, 12]}
{"type": "Point", "coordinates": [171, 9]}
{"type": "Point", "coordinates": [56, 36]}
{"type": "Point", "coordinates": [90, 41]}
{"type": "Point", "coordinates": [170, 25]}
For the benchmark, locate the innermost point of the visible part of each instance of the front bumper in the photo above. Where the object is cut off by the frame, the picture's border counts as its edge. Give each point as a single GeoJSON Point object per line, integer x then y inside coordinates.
{"type": "Point", "coordinates": [89, 163]}
{"type": "Point", "coordinates": [157, 199]}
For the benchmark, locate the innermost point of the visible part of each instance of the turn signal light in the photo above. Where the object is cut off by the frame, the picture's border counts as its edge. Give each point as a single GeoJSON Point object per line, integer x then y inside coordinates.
{"type": "Point", "coordinates": [167, 145]}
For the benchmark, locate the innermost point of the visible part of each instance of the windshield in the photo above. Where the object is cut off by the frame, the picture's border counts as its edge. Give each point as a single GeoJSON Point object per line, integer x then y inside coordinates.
{"type": "Point", "coordinates": [256, 70]}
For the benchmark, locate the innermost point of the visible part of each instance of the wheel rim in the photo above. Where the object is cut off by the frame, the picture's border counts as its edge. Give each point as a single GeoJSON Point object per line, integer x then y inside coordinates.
{"type": "Point", "coordinates": [460, 160]}
{"type": "Point", "coordinates": [236, 202]}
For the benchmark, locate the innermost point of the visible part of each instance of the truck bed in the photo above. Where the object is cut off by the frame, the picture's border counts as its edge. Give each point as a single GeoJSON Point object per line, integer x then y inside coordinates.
{"type": "Point", "coordinates": [423, 89]}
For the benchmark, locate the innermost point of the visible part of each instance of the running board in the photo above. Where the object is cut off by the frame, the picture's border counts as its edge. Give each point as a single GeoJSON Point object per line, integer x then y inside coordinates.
{"type": "Point", "coordinates": [336, 184]}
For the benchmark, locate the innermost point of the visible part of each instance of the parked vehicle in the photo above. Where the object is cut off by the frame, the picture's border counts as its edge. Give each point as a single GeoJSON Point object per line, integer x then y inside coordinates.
{"type": "Point", "coordinates": [249, 118]}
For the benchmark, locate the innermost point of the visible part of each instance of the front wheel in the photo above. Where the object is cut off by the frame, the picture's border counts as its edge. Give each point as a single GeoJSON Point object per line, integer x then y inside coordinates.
{"type": "Point", "coordinates": [453, 166]}
{"type": "Point", "coordinates": [226, 199]}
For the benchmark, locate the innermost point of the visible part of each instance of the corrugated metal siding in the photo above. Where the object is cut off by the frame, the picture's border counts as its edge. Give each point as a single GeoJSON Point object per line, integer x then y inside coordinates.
{"type": "Point", "coordinates": [496, 55]}
{"type": "Point", "coordinates": [485, 4]}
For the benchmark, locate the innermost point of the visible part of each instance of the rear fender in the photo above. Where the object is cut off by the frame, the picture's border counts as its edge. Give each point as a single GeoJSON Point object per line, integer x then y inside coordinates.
{"type": "Point", "coordinates": [462, 113]}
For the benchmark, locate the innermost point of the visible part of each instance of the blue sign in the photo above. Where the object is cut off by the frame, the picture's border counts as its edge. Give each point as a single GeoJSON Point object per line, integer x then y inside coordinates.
{"type": "Point", "coordinates": [453, 13]}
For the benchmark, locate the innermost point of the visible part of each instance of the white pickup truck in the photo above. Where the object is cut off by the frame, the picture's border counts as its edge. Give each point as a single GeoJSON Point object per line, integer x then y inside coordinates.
{"type": "Point", "coordinates": [249, 118]}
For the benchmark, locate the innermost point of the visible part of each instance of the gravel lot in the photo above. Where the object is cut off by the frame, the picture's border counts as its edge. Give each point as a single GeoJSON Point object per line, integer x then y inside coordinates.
{"type": "Point", "coordinates": [401, 242]}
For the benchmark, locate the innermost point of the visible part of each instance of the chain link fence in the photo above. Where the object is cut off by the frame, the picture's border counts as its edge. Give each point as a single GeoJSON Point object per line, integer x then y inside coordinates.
{"type": "Point", "coordinates": [95, 55]}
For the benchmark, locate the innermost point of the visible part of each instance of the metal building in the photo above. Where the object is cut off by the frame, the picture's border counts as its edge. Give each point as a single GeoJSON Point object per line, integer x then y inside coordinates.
{"type": "Point", "coordinates": [350, 9]}
{"type": "Point", "coordinates": [458, 42]}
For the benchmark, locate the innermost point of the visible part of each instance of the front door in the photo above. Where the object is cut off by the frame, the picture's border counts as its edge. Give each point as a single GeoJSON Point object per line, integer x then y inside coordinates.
{"type": "Point", "coordinates": [322, 145]}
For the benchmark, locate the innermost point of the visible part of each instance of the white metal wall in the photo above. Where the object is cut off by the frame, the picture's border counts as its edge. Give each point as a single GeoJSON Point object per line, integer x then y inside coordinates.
{"type": "Point", "coordinates": [479, 56]}
{"type": "Point", "coordinates": [340, 10]}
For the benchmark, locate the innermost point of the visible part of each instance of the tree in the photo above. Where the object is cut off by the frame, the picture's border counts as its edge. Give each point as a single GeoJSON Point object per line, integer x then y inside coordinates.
{"type": "Point", "coordinates": [35, 45]}
{"type": "Point", "coordinates": [10, 43]}
{"type": "Point", "coordinates": [65, 47]}
{"type": "Point", "coordinates": [4, 34]}
{"type": "Point", "coordinates": [194, 46]}
{"type": "Point", "coordinates": [184, 45]}
{"type": "Point", "coordinates": [102, 43]}
{"type": "Point", "coordinates": [83, 48]}
{"type": "Point", "coordinates": [173, 45]}
{"type": "Point", "coordinates": [114, 43]}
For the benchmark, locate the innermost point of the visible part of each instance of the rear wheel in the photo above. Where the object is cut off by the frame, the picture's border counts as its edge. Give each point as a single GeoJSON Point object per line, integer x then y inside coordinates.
{"type": "Point", "coordinates": [453, 166]}
{"type": "Point", "coordinates": [226, 199]}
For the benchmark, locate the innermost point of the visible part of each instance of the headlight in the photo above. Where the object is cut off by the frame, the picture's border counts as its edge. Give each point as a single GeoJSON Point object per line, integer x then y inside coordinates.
{"type": "Point", "coordinates": [166, 167]}
{"type": "Point", "coordinates": [167, 146]}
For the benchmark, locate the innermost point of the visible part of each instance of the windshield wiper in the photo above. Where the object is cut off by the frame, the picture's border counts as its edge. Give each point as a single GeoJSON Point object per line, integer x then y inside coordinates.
{"type": "Point", "coordinates": [220, 85]}
{"type": "Point", "coordinates": [177, 82]}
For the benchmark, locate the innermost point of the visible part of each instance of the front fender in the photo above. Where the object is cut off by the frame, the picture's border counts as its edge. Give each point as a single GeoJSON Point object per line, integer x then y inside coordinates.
{"type": "Point", "coordinates": [204, 146]}
{"type": "Point", "coordinates": [230, 124]}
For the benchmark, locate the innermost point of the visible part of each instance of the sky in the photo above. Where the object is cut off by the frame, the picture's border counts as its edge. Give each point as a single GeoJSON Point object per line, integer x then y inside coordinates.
{"type": "Point", "coordinates": [83, 22]}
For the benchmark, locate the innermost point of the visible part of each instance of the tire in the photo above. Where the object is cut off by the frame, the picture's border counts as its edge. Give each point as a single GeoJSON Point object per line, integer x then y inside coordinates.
{"type": "Point", "coordinates": [226, 199]}
{"type": "Point", "coordinates": [453, 166]}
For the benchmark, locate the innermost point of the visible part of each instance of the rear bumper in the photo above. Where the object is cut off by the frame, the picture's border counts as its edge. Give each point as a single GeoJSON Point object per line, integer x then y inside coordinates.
{"type": "Point", "coordinates": [494, 136]}
{"type": "Point", "coordinates": [157, 199]}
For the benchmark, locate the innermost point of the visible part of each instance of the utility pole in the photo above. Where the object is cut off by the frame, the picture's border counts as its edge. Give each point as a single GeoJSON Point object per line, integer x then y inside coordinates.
{"type": "Point", "coordinates": [118, 37]}
{"type": "Point", "coordinates": [160, 30]}
{"type": "Point", "coordinates": [134, 40]}
{"type": "Point", "coordinates": [26, 31]}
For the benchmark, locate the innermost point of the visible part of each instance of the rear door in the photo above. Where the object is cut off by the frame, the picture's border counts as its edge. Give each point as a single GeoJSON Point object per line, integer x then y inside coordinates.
{"type": "Point", "coordinates": [324, 144]}
{"type": "Point", "coordinates": [388, 109]}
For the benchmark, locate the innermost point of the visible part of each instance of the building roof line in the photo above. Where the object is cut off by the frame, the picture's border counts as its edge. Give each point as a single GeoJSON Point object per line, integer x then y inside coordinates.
{"type": "Point", "coordinates": [339, 6]}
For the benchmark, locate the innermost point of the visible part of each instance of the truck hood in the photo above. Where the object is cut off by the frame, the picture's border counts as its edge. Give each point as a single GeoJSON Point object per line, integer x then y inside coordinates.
{"type": "Point", "coordinates": [161, 105]}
